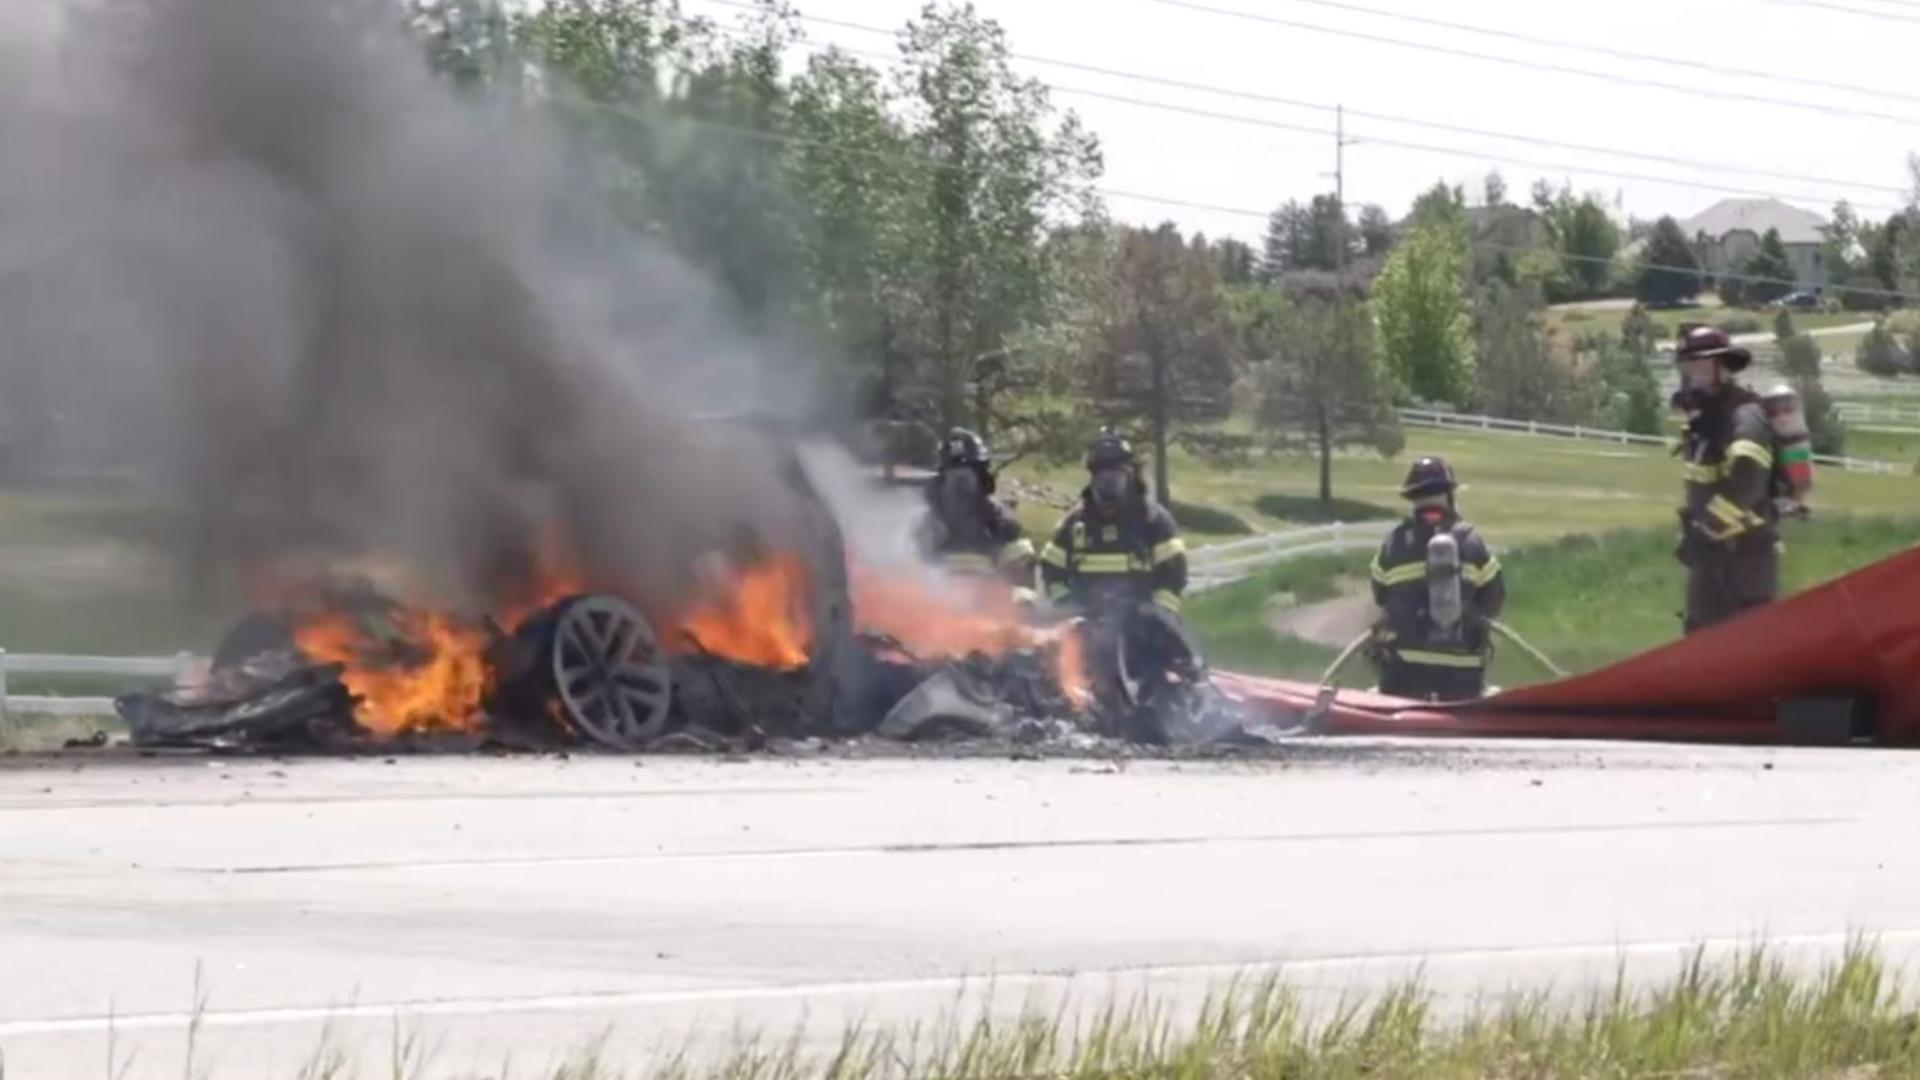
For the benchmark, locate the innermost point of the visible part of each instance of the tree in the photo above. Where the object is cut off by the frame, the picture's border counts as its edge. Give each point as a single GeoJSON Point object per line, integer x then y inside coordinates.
{"type": "Point", "coordinates": [1310, 237]}
{"type": "Point", "coordinates": [1494, 189]}
{"type": "Point", "coordinates": [1320, 380]}
{"type": "Point", "coordinates": [468, 42]}
{"type": "Point", "coordinates": [1000, 169]}
{"type": "Point", "coordinates": [1443, 206]}
{"type": "Point", "coordinates": [1879, 353]}
{"type": "Point", "coordinates": [1286, 241]}
{"type": "Point", "coordinates": [1165, 354]}
{"type": "Point", "coordinates": [1639, 334]}
{"type": "Point", "coordinates": [1845, 252]}
{"type": "Point", "coordinates": [857, 223]}
{"type": "Point", "coordinates": [1633, 401]}
{"type": "Point", "coordinates": [1769, 272]}
{"type": "Point", "coordinates": [681, 133]}
{"type": "Point", "coordinates": [1800, 361]}
{"type": "Point", "coordinates": [1517, 375]}
{"type": "Point", "coordinates": [1783, 329]}
{"type": "Point", "coordinates": [1329, 237]}
{"type": "Point", "coordinates": [1583, 233]}
{"type": "Point", "coordinates": [1669, 274]}
{"type": "Point", "coordinates": [1236, 262]}
{"type": "Point", "coordinates": [1376, 230]}
{"type": "Point", "coordinates": [1884, 246]}
{"type": "Point", "coordinates": [1426, 333]}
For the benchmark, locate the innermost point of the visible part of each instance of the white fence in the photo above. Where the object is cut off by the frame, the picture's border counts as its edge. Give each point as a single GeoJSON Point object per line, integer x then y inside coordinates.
{"type": "Point", "coordinates": [1860, 412]}
{"type": "Point", "coordinates": [1221, 564]}
{"type": "Point", "coordinates": [151, 667]}
{"type": "Point", "coordinates": [1428, 418]}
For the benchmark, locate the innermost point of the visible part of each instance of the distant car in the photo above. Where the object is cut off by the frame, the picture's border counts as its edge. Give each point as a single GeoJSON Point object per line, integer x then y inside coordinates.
{"type": "Point", "coordinates": [1805, 301]}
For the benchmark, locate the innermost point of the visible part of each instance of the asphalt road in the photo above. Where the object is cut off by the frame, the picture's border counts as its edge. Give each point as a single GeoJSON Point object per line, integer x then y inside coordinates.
{"type": "Point", "coordinates": [493, 910]}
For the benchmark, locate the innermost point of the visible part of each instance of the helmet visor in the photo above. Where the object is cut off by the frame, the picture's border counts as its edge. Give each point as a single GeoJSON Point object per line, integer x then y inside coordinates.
{"type": "Point", "coordinates": [959, 486]}
{"type": "Point", "coordinates": [1111, 484]}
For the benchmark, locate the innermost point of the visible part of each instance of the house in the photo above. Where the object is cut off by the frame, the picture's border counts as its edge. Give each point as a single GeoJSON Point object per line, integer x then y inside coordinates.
{"type": "Point", "coordinates": [1729, 235]}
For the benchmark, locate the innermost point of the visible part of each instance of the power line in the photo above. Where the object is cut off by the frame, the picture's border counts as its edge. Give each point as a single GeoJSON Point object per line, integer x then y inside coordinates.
{"type": "Point", "coordinates": [1162, 200]}
{"type": "Point", "coordinates": [1604, 50]}
{"type": "Point", "coordinates": [1720, 95]}
{"type": "Point", "coordinates": [1402, 144]}
{"type": "Point", "coordinates": [1451, 151]}
{"type": "Point", "coordinates": [1867, 13]}
{"type": "Point", "coordinates": [1459, 129]}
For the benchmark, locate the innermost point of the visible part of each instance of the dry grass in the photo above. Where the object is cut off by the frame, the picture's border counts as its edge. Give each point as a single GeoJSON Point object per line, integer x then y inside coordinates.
{"type": "Point", "coordinates": [1749, 1017]}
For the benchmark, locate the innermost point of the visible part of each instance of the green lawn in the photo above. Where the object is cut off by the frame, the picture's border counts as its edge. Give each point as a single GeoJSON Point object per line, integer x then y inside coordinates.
{"type": "Point", "coordinates": [1585, 600]}
{"type": "Point", "coordinates": [79, 573]}
{"type": "Point", "coordinates": [1522, 489]}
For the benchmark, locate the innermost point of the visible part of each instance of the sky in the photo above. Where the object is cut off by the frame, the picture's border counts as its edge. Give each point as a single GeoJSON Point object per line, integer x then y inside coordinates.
{"type": "Point", "coordinates": [1827, 142]}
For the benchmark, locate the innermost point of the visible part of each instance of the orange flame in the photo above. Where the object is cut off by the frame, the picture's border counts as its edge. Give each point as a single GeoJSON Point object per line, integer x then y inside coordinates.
{"type": "Point", "coordinates": [438, 686]}
{"type": "Point", "coordinates": [939, 618]}
{"type": "Point", "coordinates": [1072, 667]}
{"type": "Point", "coordinates": [759, 615]}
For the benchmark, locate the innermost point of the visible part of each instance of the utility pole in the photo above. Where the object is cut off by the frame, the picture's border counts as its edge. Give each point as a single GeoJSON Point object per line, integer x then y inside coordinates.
{"type": "Point", "coordinates": [1340, 144]}
{"type": "Point", "coordinates": [1323, 422]}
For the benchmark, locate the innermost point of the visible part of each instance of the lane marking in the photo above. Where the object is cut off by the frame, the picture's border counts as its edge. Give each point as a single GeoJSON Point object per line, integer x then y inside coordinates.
{"type": "Point", "coordinates": [740, 994]}
{"type": "Point", "coordinates": [977, 846]}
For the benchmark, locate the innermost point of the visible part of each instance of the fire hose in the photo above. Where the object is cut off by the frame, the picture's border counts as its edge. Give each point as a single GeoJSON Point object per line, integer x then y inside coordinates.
{"type": "Point", "coordinates": [1323, 701]}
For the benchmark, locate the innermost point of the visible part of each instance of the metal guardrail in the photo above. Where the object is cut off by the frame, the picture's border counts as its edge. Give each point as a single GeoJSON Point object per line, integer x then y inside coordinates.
{"type": "Point", "coordinates": [1429, 418]}
{"type": "Point", "coordinates": [1221, 564]}
{"type": "Point", "coordinates": [149, 667]}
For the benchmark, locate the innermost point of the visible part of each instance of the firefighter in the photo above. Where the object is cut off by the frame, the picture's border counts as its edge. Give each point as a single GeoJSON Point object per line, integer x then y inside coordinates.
{"type": "Point", "coordinates": [1118, 560]}
{"type": "Point", "coordinates": [964, 529]}
{"type": "Point", "coordinates": [1118, 544]}
{"type": "Point", "coordinates": [1437, 585]}
{"type": "Point", "coordinates": [1728, 535]}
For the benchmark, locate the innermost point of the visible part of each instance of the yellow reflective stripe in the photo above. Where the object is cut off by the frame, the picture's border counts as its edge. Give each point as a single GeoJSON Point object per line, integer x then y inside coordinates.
{"type": "Point", "coordinates": [1400, 575]}
{"type": "Point", "coordinates": [969, 560]}
{"type": "Point", "coordinates": [1481, 575]}
{"type": "Point", "coordinates": [1115, 563]}
{"type": "Point", "coordinates": [1170, 549]}
{"type": "Point", "coordinates": [1734, 519]}
{"type": "Point", "coordinates": [1054, 555]}
{"type": "Point", "coordinates": [1723, 508]}
{"type": "Point", "coordinates": [1017, 552]}
{"type": "Point", "coordinates": [1440, 659]}
{"type": "Point", "coordinates": [1730, 512]}
{"type": "Point", "coordinates": [1698, 473]}
{"type": "Point", "coordinates": [1752, 451]}
{"type": "Point", "coordinates": [1168, 599]}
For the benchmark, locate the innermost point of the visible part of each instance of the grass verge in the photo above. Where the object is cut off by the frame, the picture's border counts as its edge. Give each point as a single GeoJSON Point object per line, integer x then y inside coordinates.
{"type": "Point", "coordinates": [1586, 601]}
{"type": "Point", "coordinates": [1747, 1017]}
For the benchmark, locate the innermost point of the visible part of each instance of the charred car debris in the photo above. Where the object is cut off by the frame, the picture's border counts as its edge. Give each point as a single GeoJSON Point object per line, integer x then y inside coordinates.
{"type": "Point", "coordinates": [357, 670]}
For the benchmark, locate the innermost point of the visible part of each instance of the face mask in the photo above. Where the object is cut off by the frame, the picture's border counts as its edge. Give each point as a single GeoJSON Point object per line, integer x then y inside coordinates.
{"type": "Point", "coordinates": [1111, 485]}
{"type": "Point", "coordinates": [960, 487]}
{"type": "Point", "coordinates": [1700, 377]}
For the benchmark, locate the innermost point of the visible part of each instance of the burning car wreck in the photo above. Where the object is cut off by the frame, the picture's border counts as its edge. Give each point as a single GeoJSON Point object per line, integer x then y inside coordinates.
{"type": "Point", "coordinates": [784, 638]}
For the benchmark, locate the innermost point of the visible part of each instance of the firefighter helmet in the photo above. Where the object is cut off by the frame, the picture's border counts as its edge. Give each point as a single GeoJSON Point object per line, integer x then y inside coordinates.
{"type": "Point", "coordinates": [1429, 476]}
{"type": "Point", "coordinates": [965, 450]}
{"type": "Point", "coordinates": [1707, 342]}
{"type": "Point", "coordinates": [1108, 451]}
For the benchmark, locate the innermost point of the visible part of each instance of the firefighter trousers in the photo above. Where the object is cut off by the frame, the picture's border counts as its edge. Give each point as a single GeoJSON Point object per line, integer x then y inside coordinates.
{"type": "Point", "coordinates": [1723, 581]}
{"type": "Point", "coordinates": [1426, 682]}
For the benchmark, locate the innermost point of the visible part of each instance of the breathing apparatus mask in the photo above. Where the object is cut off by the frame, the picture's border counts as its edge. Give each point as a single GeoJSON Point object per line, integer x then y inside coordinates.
{"type": "Point", "coordinates": [959, 488]}
{"type": "Point", "coordinates": [1111, 486]}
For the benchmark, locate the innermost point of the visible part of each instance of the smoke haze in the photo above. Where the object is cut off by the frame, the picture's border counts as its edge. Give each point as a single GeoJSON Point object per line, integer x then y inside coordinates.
{"type": "Point", "coordinates": [254, 247]}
